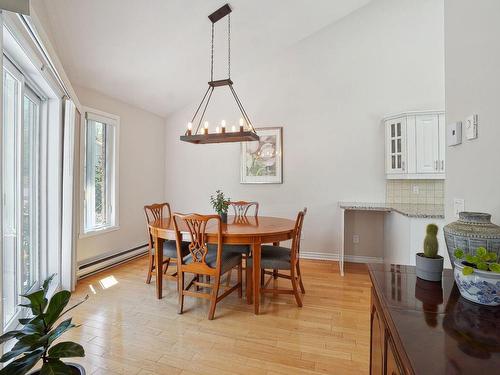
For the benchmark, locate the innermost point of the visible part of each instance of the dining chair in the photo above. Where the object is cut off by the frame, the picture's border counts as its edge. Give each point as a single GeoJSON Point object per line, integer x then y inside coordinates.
{"type": "Point", "coordinates": [282, 258]}
{"type": "Point", "coordinates": [241, 209]}
{"type": "Point", "coordinates": [154, 212]}
{"type": "Point", "coordinates": [204, 260]}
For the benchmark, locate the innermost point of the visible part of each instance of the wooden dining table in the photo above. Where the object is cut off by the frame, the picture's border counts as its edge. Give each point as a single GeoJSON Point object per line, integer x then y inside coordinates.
{"type": "Point", "coordinates": [253, 231]}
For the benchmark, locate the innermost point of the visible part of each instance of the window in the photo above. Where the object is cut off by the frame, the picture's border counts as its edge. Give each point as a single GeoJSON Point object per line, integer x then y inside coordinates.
{"type": "Point", "coordinates": [20, 186]}
{"type": "Point", "coordinates": [100, 172]}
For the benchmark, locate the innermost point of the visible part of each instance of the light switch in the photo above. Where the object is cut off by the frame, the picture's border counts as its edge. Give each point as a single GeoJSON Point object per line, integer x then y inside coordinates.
{"type": "Point", "coordinates": [471, 127]}
{"type": "Point", "coordinates": [458, 206]}
{"type": "Point", "coordinates": [454, 134]}
{"type": "Point", "coordinates": [355, 238]}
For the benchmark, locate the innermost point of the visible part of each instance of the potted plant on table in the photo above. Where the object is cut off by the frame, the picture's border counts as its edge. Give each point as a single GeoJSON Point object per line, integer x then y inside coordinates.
{"type": "Point", "coordinates": [429, 265]}
{"type": "Point", "coordinates": [220, 204]}
{"type": "Point", "coordinates": [35, 339]}
{"type": "Point", "coordinates": [478, 276]}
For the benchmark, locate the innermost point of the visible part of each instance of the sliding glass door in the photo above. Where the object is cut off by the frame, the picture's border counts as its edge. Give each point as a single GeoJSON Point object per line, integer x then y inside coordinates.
{"type": "Point", "coordinates": [20, 186]}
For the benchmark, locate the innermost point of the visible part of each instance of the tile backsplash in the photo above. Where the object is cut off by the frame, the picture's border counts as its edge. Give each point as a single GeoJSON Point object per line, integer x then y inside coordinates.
{"type": "Point", "coordinates": [415, 191]}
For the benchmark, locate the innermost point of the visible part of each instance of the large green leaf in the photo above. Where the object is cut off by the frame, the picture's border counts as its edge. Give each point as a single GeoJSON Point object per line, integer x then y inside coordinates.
{"type": "Point", "coordinates": [55, 367]}
{"type": "Point", "coordinates": [23, 364]}
{"type": "Point", "coordinates": [38, 302]}
{"type": "Point", "coordinates": [56, 305]}
{"type": "Point", "coordinates": [46, 284]}
{"type": "Point", "coordinates": [26, 343]}
{"type": "Point", "coordinates": [35, 325]}
{"type": "Point", "coordinates": [66, 349]}
{"type": "Point", "coordinates": [58, 331]}
{"type": "Point", "coordinates": [8, 335]}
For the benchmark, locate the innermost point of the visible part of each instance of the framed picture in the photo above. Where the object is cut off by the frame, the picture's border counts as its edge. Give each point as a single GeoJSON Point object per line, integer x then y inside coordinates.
{"type": "Point", "coordinates": [262, 161]}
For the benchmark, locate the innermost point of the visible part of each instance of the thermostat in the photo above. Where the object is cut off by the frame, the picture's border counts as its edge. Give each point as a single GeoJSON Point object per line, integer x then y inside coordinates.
{"type": "Point", "coordinates": [454, 133]}
{"type": "Point", "coordinates": [471, 127]}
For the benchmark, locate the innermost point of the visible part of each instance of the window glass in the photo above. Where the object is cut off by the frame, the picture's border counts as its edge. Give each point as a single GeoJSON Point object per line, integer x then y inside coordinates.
{"type": "Point", "coordinates": [99, 171]}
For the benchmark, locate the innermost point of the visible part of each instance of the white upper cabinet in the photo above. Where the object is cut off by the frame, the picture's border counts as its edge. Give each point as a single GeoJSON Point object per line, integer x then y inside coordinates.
{"type": "Point", "coordinates": [415, 145]}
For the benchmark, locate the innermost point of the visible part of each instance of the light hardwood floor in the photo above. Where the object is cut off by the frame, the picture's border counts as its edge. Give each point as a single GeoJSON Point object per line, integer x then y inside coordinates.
{"type": "Point", "coordinates": [126, 330]}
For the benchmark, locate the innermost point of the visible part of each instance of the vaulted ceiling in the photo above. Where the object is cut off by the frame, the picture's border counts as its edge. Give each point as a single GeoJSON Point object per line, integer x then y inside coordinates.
{"type": "Point", "coordinates": [155, 54]}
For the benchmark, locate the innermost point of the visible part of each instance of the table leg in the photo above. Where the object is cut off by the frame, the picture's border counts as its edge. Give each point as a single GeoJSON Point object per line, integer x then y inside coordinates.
{"type": "Point", "coordinates": [256, 276]}
{"type": "Point", "coordinates": [159, 265]}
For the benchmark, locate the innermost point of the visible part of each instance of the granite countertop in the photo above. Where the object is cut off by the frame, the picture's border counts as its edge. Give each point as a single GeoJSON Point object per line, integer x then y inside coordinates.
{"type": "Point", "coordinates": [425, 211]}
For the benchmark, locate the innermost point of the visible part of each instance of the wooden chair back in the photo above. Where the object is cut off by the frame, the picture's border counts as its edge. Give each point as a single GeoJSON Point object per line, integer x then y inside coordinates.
{"type": "Point", "coordinates": [154, 212]}
{"type": "Point", "coordinates": [297, 234]}
{"type": "Point", "coordinates": [241, 208]}
{"type": "Point", "coordinates": [198, 248]}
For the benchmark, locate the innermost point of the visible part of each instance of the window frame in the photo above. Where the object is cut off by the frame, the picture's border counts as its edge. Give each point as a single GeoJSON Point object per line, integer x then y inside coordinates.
{"type": "Point", "coordinates": [112, 179]}
{"type": "Point", "coordinates": [29, 89]}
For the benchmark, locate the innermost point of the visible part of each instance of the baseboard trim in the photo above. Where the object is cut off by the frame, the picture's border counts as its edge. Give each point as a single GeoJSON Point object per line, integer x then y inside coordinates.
{"type": "Point", "coordinates": [335, 257]}
{"type": "Point", "coordinates": [94, 265]}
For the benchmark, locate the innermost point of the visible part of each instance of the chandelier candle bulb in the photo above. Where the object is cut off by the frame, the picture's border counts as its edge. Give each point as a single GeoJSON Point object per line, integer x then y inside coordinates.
{"type": "Point", "coordinates": [205, 130]}
{"type": "Point", "coordinates": [223, 126]}
{"type": "Point", "coordinates": [217, 130]}
{"type": "Point", "coordinates": [241, 124]}
{"type": "Point", "coordinates": [190, 128]}
{"type": "Point", "coordinates": [233, 129]}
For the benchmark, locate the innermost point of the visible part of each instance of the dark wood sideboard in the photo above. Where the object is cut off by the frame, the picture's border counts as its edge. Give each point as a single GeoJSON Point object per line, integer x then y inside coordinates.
{"type": "Point", "coordinates": [425, 328]}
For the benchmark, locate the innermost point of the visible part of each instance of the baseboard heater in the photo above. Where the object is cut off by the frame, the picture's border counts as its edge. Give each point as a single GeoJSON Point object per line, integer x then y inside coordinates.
{"type": "Point", "coordinates": [96, 265]}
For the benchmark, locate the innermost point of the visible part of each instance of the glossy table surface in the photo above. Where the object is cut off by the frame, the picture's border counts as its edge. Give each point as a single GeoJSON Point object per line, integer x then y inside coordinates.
{"type": "Point", "coordinates": [441, 332]}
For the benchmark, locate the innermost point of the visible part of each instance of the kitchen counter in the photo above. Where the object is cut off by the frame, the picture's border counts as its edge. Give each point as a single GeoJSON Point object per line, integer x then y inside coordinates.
{"type": "Point", "coordinates": [425, 211]}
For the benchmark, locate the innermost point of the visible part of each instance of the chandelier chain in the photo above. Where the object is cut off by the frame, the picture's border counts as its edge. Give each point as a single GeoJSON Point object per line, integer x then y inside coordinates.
{"type": "Point", "coordinates": [212, 55]}
{"type": "Point", "coordinates": [229, 45]}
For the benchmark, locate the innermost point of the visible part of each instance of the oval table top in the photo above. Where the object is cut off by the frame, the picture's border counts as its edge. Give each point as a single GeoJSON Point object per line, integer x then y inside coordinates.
{"type": "Point", "coordinates": [236, 226]}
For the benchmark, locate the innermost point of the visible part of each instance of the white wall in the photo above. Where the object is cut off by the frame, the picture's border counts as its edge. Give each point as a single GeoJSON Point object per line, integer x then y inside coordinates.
{"type": "Point", "coordinates": [472, 86]}
{"type": "Point", "coordinates": [329, 93]}
{"type": "Point", "coordinates": [142, 174]}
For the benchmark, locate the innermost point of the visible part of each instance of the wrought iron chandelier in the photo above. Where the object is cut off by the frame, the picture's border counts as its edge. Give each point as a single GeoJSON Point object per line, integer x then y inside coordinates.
{"type": "Point", "coordinates": [245, 131]}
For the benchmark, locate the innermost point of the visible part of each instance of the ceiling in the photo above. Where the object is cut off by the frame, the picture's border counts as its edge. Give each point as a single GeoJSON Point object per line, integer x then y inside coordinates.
{"type": "Point", "coordinates": [155, 54]}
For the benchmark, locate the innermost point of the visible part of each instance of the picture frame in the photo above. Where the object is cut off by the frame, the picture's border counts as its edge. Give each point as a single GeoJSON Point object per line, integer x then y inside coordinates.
{"type": "Point", "coordinates": [261, 162]}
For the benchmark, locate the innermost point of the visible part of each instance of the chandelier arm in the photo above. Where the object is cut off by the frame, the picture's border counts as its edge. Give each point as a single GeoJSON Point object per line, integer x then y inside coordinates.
{"type": "Point", "coordinates": [201, 103]}
{"type": "Point", "coordinates": [204, 109]}
{"type": "Point", "coordinates": [242, 109]}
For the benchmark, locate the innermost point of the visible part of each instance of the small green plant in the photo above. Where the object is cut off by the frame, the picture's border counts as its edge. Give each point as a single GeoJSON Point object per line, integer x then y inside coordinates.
{"type": "Point", "coordinates": [431, 245]}
{"type": "Point", "coordinates": [35, 338]}
{"type": "Point", "coordinates": [483, 260]}
{"type": "Point", "coordinates": [219, 202]}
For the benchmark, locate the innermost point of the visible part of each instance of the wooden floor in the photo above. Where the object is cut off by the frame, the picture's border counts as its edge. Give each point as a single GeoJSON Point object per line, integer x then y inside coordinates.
{"type": "Point", "coordinates": [126, 330]}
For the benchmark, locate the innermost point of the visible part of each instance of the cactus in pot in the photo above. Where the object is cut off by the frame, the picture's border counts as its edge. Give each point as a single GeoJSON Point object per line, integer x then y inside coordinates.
{"type": "Point", "coordinates": [431, 245]}
{"type": "Point", "coordinates": [429, 265]}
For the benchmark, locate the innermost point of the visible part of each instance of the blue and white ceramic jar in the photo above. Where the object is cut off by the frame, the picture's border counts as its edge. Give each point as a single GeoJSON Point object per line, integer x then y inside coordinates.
{"type": "Point", "coordinates": [470, 231]}
{"type": "Point", "coordinates": [482, 287]}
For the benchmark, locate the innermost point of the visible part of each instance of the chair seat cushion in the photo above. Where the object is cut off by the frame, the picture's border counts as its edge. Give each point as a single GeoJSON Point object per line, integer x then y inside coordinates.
{"type": "Point", "coordinates": [229, 259]}
{"type": "Point", "coordinates": [239, 249]}
{"type": "Point", "coordinates": [170, 249]}
{"type": "Point", "coordinates": [273, 257]}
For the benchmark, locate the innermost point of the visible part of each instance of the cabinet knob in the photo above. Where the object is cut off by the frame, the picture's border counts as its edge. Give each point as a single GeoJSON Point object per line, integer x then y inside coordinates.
{"type": "Point", "coordinates": [442, 165]}
{"type": "Point", "coordinates": [436, 165]}
{"type": "Point", "coordinates": [403, 165]}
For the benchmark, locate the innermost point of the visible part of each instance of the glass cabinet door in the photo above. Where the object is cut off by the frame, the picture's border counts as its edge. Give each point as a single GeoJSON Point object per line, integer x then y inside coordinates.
{"type": "Point", "coordinates": [396, 145]}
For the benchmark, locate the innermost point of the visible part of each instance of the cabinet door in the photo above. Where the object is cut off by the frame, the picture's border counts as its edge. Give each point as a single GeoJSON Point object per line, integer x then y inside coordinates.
{"type": "Point", "coordinates": [395, 145]}
{"type": "Point", "coordinates": [377, 342]}
{"type": "Point", "coordinates": [442, 143]}
{"type": "Point", "coordinates": [392, 366]}
{"type": "Point", "coordinates": [427, 144]}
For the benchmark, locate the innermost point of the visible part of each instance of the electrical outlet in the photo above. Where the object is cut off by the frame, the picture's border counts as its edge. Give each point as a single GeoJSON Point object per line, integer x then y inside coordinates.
{"type": "Point", "coordinates": [355, 238]}
{"type": "Point", "coordinates": [458, 206]}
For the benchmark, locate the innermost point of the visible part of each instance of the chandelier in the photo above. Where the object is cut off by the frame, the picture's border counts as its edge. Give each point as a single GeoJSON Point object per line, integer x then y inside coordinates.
{"type": "Point", "coordinates": [245, 130]}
